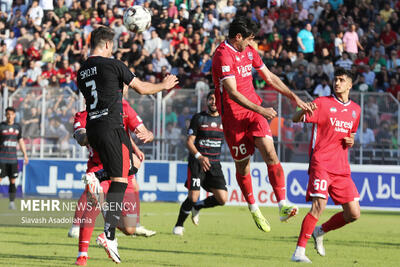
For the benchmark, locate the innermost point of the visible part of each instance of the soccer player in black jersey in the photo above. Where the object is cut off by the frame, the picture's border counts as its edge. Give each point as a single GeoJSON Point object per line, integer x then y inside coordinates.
{"type": "Point", "coordinates": [10, 136]}
{"type": "Point", "coordinates": [205, 138]}
{"type": "Point", "coordinates": [101, 80]}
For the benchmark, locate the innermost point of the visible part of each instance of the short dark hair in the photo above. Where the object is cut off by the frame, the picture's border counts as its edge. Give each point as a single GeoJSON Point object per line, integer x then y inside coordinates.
{"type": "Point", "coordinates": [10, 109]}
{"type": "Point", "coordinates": [212, 92]}
{"type": "Point", "coordinates": [342, 71]}
{"type": "Point", "coordinates": [101, 35]}
{"type": "Point", "coordinates": [243, 25]}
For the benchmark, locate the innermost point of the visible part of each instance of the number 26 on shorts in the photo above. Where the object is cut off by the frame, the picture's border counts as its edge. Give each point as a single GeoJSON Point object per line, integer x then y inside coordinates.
{"type": "Point", "coordinates": [320, 185]}
{"type": "Point", "coordinates": [241, 148]}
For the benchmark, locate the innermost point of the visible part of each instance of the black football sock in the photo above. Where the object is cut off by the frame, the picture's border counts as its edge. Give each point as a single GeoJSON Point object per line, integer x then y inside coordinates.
{"type": "Point", "coordinates": [12, 190]}
{"type": "Point", "coordinates": [114, 199]}
{"type": "Point", "coordinates": [209, 202]}
{"type": "Point", "coordinates": [184, 211]}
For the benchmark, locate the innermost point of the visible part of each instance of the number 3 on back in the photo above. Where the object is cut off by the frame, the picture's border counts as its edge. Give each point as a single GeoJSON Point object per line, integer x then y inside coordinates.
{"type": "Point", "coordinates": [92, 84]}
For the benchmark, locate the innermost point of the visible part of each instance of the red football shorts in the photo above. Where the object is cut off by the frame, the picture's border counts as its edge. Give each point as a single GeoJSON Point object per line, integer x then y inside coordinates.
{"type": "Point", "coordinates": [240, 130]}
{"type": "Point", "coordinates": [341, 188]}
{"type": "Point", "coordinates": [131, 198]}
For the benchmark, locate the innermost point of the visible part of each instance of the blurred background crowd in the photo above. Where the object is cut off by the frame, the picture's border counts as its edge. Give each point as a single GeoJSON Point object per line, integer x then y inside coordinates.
{"type": "Point", "coordinates": [43, 43]}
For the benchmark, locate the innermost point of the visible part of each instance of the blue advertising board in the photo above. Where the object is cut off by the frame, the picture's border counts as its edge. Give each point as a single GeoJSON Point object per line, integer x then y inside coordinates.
{"type": "Point", "coordinates": [164, 181]}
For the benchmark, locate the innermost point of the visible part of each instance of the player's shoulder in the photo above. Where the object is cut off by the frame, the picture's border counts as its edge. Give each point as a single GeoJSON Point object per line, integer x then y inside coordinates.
{"type": "Point", "coordinates": [80, 115]}
{"type": "Point", "coordinates": [355, 106]}
{"type": "Point", "coordinates": [222, 50]}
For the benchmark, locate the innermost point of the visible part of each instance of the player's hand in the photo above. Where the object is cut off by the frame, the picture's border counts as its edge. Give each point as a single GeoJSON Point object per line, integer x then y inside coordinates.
{"type": "Point", "coordinates": [26, 160]}
{"type": "Point", "coordinates": [308, 107]}
{"type": "Point", "coordinates": [348, 141]}
{"type": "Point", "coordinates": [139, 154]}
{"type": "Point", "coordinates": [205, 163]}
{"type": "Point", "coordinates": [145, 136]}
{"type": "Point", "coordinates": [170, 81]}
{"type": "Point", "coordinates": [269, 113]}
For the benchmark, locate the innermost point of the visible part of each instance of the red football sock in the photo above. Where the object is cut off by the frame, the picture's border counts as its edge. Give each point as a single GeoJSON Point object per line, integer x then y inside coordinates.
{"type": "Point", "coordinates": [246, 187]}
{"type": "Point", "coordinates": [335, 222]}
{"type": "Point", "coordinates": [307, 228]}
{"type": "Point", "coordinates": [80, 208]}
{"type": "Point", "coordinates": [86, 227]}
{"type": "Point", "coordinates": [277, 180]}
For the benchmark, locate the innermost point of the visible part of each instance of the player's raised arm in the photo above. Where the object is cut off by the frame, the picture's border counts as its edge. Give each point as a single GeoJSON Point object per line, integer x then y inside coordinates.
{"type": "Point", "coordinates": [146, 88]}
{"type": "Point", "coordinates": [235, 95]}
{"type": "Point", "coordinates": [277, 83]}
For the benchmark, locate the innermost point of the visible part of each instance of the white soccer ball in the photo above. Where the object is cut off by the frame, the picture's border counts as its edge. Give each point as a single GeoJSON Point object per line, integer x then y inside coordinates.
{"type": "Point", "coordinates": [137, 19]}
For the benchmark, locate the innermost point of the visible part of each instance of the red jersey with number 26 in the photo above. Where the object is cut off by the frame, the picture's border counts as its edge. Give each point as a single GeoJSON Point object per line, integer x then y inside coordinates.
{"type": "Point", "coordinates": [227, 63]}
{"type": "Point", "coordinates": [131, 121]}
{"type": "Point", "coordinates": [332, 121]}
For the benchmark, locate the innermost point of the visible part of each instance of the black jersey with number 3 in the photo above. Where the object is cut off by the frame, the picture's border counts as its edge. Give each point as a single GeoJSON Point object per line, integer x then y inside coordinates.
{"type": "Point", "coordinates": [209, 135]}
{"type": "Point", "coordinates": [101, 81]}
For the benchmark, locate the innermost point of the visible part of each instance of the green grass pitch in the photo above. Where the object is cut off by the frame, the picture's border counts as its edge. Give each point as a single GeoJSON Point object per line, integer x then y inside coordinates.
{"type": "Point", "coordinates": [226, 236]}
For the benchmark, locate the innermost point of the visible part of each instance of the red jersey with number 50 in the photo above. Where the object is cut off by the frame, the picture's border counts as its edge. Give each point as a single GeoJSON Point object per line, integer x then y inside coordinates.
{"type": "Point", "coordinates": [332, 121]}
{"type": "Point", "coordinates": [131, 121]}
{"type": "Point", "coordinates": [227, 63]}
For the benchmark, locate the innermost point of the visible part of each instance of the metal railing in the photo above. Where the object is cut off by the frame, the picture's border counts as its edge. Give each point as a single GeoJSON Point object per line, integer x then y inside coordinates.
{"type": "Point", "coordinates": [168, 115]}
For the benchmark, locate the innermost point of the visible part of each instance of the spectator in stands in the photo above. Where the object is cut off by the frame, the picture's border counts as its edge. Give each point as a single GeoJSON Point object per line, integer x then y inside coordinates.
{"type": "Point", "coordinates": [30, 123]}
{"type": "Point", "coordinates": [344, 62]}
{"type": "Point", "coordinates": [160, 61]}
{"type": "Point", "coordinates": [351, 42]}
{"type": "Point", "coordinates": [8, 82]}
{"type": "Point", "coordinates": [305, 40]}
{"type": "Point", "coordinates": [339, 44]}
{"type": "Point", "coordinates": [5, 66]}
{"type": "Point", "coordinates": [377, 61]}
{"type": "Point", "coordinates": [377, 47]}
{"type": "Point", "coordinates": [70, 84]}
{"type": "Point", "coordinates": [369, 75]}
{"type": "Point", "coordinates": [386, 12]}
{"type": "Point", "coordinates": [368, 138]}
{"type": "Point", "coordinates": [36, 13]}
{"type": "Point", "coordinates": [322, 89]}
{"type": "Point", "coordinates": [170, 116]}
{"type": "Point", "coordinates": [299, 78]}
{"type": "Point", "coordinates": [152, 44]}
{"type": "Point", "coordinates": [393, 62]}
{"type": "Point", "coordinates": [384, 136]}
{"type": "Point", "coordinates": [394, 88]}
{"type": "Point", "coordinates": [57, 134]}
{"type": "Point", "coordinates": [389, 38]}
{"type": "Point", "coordinates": [362, 86]}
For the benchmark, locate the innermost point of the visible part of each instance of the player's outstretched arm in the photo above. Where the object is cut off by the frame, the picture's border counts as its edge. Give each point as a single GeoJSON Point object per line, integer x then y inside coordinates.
{"type": "Point", "coordinates": [235, 95]}
{"type": "Point", "coordinates": [146, 88]}
{"type": "Point", "coordinates": [277, 83]}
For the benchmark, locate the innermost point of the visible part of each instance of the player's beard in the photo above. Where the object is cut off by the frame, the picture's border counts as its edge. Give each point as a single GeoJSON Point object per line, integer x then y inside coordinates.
{"type": "Point", "coordinates": [212, 109]}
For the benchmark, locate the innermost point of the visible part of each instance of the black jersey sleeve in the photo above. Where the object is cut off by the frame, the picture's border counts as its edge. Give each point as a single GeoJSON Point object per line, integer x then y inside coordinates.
{"type": "Point", "coordinates": [126, 75]}
{"type": "Point", "coordinates": [194, 125]}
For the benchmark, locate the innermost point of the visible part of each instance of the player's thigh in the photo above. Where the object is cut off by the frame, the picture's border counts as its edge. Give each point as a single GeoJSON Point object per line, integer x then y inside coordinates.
{"type": "Point", "coordinates": [215, 182]}
{"type": "Point", "coordinates": [343, 190]}
{"type": "Point", "coordinates": [351, 210]}
{"type": "Point", "coordinates": [318, 184]}
{"type": "Point", "coordinates": [12, 171]}
{"type": "Point", "coordinates": [194, 176]}
{"type": "Point", "coordinates": [267, 149]}
{"type": "Point", "coordinates": [238, 138]}
{"type": "Point", "coordinates": [115, 151]}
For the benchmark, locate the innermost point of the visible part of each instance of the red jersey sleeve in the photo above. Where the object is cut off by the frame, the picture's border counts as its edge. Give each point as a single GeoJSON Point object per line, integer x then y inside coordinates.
{"type": "Point", "coordinates": [257, 61]}
{"type": "Point", "coordinates": [355, 126]}
{"type": "Point", "coordinates": [80, 120]}
{"type": "Point", "coordinates": [132, 120]}
{"type": "Point", "coordinates": [224, 65]}
{"type": "Point", "coordinates": [315, 116]}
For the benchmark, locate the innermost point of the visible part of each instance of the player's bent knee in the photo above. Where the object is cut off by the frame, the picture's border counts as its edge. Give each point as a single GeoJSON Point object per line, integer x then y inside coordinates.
{"type": "Point", "coordinates": [354, 215]}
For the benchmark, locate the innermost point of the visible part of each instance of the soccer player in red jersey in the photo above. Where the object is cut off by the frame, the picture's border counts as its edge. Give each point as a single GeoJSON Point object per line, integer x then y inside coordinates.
{"type": "Point", "coordinates": [335, 121]}
{"type": "Point", "coordinates": [244, 119]}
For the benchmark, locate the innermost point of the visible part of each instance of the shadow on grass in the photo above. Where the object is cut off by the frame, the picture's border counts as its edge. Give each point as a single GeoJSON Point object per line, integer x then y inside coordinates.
{"type": "Point", "coordinates": [200, 253]}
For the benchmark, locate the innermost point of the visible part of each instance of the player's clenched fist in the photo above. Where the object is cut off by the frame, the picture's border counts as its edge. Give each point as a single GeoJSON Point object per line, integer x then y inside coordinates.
{"type": "Point", "coordinates": [170, 81]}
{"type": "Point", "coordinates": [269, 113]}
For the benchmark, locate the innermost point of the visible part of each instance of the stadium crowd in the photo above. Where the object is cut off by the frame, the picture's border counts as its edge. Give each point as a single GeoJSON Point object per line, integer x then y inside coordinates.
{"type": "Point", "coordinates": [43, 43]}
